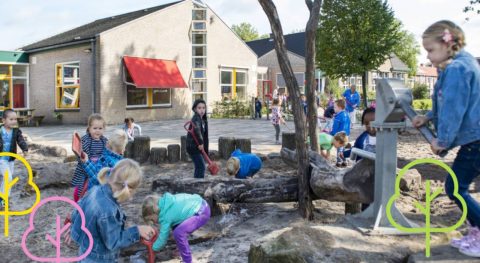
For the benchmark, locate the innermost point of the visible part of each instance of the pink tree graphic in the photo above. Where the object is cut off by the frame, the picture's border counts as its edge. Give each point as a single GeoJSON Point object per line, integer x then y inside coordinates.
{"type": "Point", "coordinates": [59, 231]}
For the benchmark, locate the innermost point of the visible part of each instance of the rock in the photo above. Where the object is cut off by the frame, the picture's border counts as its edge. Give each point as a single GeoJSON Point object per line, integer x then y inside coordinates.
{"type": "Point", "coordinates": [54, 151]}
{"type": "Point", "coordinates": [274, 156]}
{"type": "Point", "coordinates": [70, 158]}
{"type": "Point", "coordinates": [442, 254]}
{"type": "Point", "coordinates": [214, 155]}
{"type": "Point", "coordinates": [299, 244]}
{"type": "Point", "coordinates": [49, 175]}
{"type": "Point", "coordinates": [173, 155]}
{"type": "Point", "coordinates": [411, 181]}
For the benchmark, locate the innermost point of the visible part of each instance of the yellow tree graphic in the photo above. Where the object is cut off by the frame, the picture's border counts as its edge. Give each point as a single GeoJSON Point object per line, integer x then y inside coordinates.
{"type": "Point", "coordinates": [8, 185]}
{"type": "Point", "coordinates": [429, 196]}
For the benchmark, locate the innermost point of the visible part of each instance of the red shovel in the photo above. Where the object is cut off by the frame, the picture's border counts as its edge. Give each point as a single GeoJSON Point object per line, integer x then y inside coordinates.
{"type": "Point", "coordinates": [212, 166]}
{"type": "Point", "coordinates": [149, 244]}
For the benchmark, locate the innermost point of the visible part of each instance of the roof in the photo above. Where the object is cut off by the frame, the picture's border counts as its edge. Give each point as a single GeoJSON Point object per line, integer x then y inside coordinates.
{"type": "Point", "coordinates": [397, 64]}
{"type": "Point", "coordinates": [90, 30]}
{"type": "Point", "coordinates": [154, 73]}
{"type": "Point", "coordinates": [13, 57]}
{"type": "Point", "coordinates": [427, 71]}
{"type": "Point", "coordinates": [295, 43]}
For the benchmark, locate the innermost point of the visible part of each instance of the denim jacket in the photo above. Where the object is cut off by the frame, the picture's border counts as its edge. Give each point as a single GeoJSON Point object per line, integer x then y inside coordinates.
{"type": "Point", "coordinates": [456, 102]}
{"type": "Point", "coordinates": [106, 222]}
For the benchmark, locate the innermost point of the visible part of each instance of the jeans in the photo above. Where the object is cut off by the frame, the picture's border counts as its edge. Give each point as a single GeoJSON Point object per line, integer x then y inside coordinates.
{"type": "Point", "coordinates": [6, 166]}
{"type": "Point", "coordinates": [199, 164]}
{"type": "Point", "coordinates": [339, 158]}
{"type": "Point", "coordinates": [466, 167]}
{"type": "Point", "coordinates": [187, 227]}
{"type": "Point", "coordinates": [277, 131]}
{"type": "Point", "coordinates": [258, 113]}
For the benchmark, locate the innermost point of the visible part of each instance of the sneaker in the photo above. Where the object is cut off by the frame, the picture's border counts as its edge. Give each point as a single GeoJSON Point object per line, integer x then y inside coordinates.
{"type": "Point", "coordinates": [464, 242]}
{"type": "Point", "coordinates": [344, 164]}
{"type": "Point", "coordinates": [472, 251]}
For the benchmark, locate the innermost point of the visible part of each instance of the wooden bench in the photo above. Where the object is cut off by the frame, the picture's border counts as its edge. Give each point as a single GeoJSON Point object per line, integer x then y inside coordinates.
{"type": "Point", "coordinates": [38, 120]}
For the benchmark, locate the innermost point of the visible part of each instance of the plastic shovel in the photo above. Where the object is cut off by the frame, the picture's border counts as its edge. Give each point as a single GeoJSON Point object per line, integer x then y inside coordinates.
{"type": "Point", "coordinates": [212, 166]}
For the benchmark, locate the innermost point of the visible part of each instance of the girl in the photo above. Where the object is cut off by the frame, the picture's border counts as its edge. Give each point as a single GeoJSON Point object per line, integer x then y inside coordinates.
{"type": "Point", "coordinates": [455, 115]}
{"type": "Point", "coordinates": [277, 119]}
{"type": "Point", "coordinates": [199, 119]}
{"type": "Point", "coordinates": [184, 212]}
{"type": "Point", "coordinates": [93, 144]}
{"type": "Point", "coordinates": [132, 129]}
{"type": "Point", "coordinates": [11, 136]}
{"type": "Point", "coordinates": [104, 217]}
{"type": "Point", "coordinates": [110, 156]}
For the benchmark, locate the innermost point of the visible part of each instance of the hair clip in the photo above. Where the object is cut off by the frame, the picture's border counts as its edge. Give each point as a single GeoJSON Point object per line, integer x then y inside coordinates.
{"type": "Point", "coordinates": [447, 36]}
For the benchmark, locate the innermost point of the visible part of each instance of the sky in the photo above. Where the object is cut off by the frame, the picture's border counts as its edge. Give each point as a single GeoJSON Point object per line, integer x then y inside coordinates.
{"type": "Point", "coordinates": [26, 21]}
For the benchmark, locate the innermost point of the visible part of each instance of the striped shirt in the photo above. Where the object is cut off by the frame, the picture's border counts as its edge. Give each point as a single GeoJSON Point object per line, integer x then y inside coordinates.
{"type": "Point", "coordinates": [93, 148]}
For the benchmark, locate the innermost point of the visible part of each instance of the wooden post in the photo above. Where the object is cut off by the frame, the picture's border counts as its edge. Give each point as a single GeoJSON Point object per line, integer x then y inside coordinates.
{"type": "Point", "coordinates": [183, 149]}
{"type": "Point", "coordinates": [141, 148]}
{"type": "Point", "coordinates": [288, 140]}
{"type": "Point", "coordinates": [158, 155]}
{"type": "Point", "coordinates": [129, 150]}
{"type": "Point", "coordinates": [173, 153]}
{"type": "Point", "coordinates": [245, 145]}
{"type": "Point", "coordinates": [226, 145]}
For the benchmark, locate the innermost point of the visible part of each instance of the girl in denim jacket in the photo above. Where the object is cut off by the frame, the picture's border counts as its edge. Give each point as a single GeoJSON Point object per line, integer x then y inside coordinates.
{"type": "Point", "coordinates": [456, 117]}
{"type": "Point", "coordinates": [104, 217]}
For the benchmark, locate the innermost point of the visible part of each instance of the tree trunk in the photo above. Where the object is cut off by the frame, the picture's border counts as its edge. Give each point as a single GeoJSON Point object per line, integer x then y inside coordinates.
{"type": "Point", "coordinates": [141, 148]}
{"type": "Point", "coordinates": [288, 140]}
{"type": "Point", "coordinates": [183, 151]}
{"type": "Point", "coordinates": [226, 145]}
{"type": "Point", "coordinates": [304, 199]}
{"type": "Point", "coordinates": [245, 145]}
{"type": "Point", "coordinates": [173, 153]}
{"type": "Point", "coordinates": [158, 155]}
{"type": "Point", "coordinates": [310, 49]}
{"type": "Point", "coordinates": [364, 88]}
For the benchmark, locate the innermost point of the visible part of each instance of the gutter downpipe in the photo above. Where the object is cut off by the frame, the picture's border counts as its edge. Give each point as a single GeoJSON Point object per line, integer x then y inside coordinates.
{"type": "Point", "coordinates": [94, 75]}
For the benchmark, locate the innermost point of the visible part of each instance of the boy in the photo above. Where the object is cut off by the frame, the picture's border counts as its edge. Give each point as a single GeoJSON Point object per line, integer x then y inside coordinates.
{"type": "Point", "coordinates": [243, 165]}
{"type": "Point", "coordinates": [327, 142]}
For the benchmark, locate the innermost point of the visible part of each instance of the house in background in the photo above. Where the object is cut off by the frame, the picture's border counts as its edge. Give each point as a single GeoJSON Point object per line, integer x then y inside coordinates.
{"type": "Point", "coordinates": [427, 75]}
{"type": "Point", "coordinates": [149, 64]}
{"type": "Point", "coordinates": [14, 80]}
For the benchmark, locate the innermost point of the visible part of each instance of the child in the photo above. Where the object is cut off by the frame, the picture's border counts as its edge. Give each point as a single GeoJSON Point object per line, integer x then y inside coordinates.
{"type": "Point", "coordinates": [104, 217]}
{"type": "Point", "coordinates": [455, 115]}
{"type": "Point", "coordinates": [277, 119]}
{"type": "Point", "coordinates": [132, 129]}
{"type": "Point", "coordinates": [11, 136]}
{"type": "Point", "coordinates": [304, 103]}
{"type": "Point", "coordinates": [367, 140]}
{"type": "Point", "coordinates": [328, 141]}
{"type": "Point", "coordinates": [199, 119]}
{"type": "Point", "coordinates": [110, 156]}
{"type": "Point", "coordinates": [328, 114]}
{"type": "Point", "coordinates": [183, 212]}
{"type": "Point", "coordinates": [258, 108]}
{"type": "Point", "coordinates": [341, 121]}
{"type": "Point", "coordinates": [93, 144]}
{"type": "Point", "coordinates": [243, 165]}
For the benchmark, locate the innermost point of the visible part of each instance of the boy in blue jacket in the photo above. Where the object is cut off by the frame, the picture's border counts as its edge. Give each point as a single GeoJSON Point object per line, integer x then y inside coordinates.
{"type": "Point", "coordinates": [243, 165]}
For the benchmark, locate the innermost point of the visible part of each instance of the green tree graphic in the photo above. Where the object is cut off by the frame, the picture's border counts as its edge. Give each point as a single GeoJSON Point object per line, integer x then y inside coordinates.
{"type": "Point", "coordinates": [428, 200]}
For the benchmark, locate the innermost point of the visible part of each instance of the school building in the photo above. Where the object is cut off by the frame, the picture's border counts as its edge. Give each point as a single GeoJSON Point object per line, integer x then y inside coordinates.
{"type": "Point", "coordinates": [148, 64]}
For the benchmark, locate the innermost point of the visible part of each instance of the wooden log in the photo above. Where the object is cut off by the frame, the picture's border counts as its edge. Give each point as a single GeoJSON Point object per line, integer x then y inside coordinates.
{"type": "Point", "coordinates": [288, 140]}
{"type": "Point", "coordinates": [158, 155]}
{"type": "Point", "coordinates": [55, 151]}
{"type": "Point", "coordinates": [183, 151]}
{"type": "Point", "coordinates": [353, 208]}
{"type": "Point", "coordinates": [226, 145]}
{"type": "Point", "coordinates": [141, 148]}
{"type": "Point", "coordinates": [129, 150]}
{"type": "Point", "coordinates": [245, 145]}
{"type": "Point", "coordinates": [173, 153]}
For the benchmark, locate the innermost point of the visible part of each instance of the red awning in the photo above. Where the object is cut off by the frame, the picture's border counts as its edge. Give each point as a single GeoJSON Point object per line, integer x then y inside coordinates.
{"type": "Point", "coordinates": [154, 73]}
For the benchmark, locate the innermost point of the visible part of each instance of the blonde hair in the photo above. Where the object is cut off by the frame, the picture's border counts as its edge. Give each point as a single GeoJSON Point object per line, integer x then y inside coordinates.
{"type": "Point", "coordinates": [95, 117]}
{"type": "Point", "coordinates": [118, 141]}
{"type": "Point", "coordinates": [341, 137]}
{"type": "Point", "coordinates": [150, 207]}
{"type": "Point", "coordinates": [233, 165]}
{"type": "Point", "coordinates": [125, 175]}
{"type": "Point", "coordinates": [438, 30]}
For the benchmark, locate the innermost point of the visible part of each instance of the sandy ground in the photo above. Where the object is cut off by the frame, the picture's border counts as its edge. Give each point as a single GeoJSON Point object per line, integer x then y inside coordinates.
{"type": "Point", "coordinates": [241, 224]}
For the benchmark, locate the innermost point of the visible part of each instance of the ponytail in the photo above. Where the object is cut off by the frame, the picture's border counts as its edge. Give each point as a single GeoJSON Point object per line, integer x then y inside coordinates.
{"type": "Point", "coordinates": [126, 176]}
{"type": "Point", "coordinates": [102, 175]}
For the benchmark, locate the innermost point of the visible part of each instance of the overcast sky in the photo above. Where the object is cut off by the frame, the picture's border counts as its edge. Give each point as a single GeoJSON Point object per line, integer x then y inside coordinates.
{"type": "Point", "coordinates": [27, 21]}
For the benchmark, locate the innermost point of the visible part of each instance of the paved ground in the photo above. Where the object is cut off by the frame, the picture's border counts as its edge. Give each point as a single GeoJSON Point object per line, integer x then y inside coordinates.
{"type": "Point", "coordinates": [162, 133]}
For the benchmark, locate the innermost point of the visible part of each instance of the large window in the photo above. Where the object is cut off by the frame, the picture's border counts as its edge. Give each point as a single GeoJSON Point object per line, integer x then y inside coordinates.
{"type": "Point", "coordinates": [233, 83]}
{"type": "Point", "coordinates": [199, 52]}
{"type": "Point", "coordinates": [161, 97]}
{"type": "Point", "coordinates": [241, 85]}
{"type": "Point", "coordinates": [67, 77]}
{"type": "Point", "coordinates": [136, 97]}
{"type": "Point", "coordinates": [14, 86]}
{"type": "Point", "coordinates": [226, 83]}
{"type": "Point", "coordinates": [146, 97]}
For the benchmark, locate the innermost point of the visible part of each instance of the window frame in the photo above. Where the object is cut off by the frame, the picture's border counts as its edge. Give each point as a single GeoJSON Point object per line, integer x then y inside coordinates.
{"type": "Point", "coordinates": [59, 86]}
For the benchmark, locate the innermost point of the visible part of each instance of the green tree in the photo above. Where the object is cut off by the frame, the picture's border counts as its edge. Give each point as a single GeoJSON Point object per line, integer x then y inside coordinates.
{"type": "Point", "coordinates": [247, 32]}
{"type": "Point", "coordinates": [407, 49]}
{"type": "Point", "coordinates": [355, 36]}
{"type": "Point", "coordinates": [472, 7]}
{"type": "Point", "coordinates": [420, 91]}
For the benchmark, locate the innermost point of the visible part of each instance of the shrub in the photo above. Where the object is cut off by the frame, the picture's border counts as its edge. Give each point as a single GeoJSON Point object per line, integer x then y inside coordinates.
{"type": "Point", "coordinates": [425, 104]}
{"type": "Point", "coordinates": [420, 91]}
{"type": "Point", "coordinates": [231, 109]}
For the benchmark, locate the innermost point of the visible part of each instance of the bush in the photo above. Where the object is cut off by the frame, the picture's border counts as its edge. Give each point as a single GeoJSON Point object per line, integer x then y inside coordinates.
{"type": "Point", "coordinates": [420, 91]}
{"type": "Point", "coordinates": [425, 104]}
{"type": "Point", "coordinates": [231, 109]}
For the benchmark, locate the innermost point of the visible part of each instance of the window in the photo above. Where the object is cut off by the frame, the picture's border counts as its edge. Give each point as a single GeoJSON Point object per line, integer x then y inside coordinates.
{"type": "Point", "coordinates": [199, 85]}
{"type": "Point", "coordinates": [161, 96]}
{"type": "Point", "coordinates": [199, 62]}
{"type": "Point", "coordinates": [200, 51]}
{"type": "Point", "coordinates": [67, 77]}
{"type": "Point", "coordinates": [226, 84]}
{"type": "Point", "coordinates": [136, 97]}
{"type": "Point", "coordinates": [233, 83]}
{"type": "Point", "coordinates": [199, 74]}
{"type": "Point", "coordinates": [199, 26]}
{"type": "Point", "coordinates": [4, 70]}
{"type": "Point", "coordinates": [19, 71]}
{"type": "Point", "coordinates": [199, 38]}
{"type": "Point", "coordinates": [19, 93]}
{"type": "Point", "coordinates": [199, 14]}
{"type": "Point", "coordinates": [4, 93]}
{"type": "Point", "coordinates": [241, 85]}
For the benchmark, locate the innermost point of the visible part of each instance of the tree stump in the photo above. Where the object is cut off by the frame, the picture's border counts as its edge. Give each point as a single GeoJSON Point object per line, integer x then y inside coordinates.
{"type": "Point", "coordinates": [183, 149]}
{"type": "Point", "coordinates": [226, 145]}
{"type": "Point", "coordinates": [353, 208]}
{"type": "Point", "coordinates": [173, 153]}
{"type": "Point", "coordinates": [245, 145]}
{"type": "Point", "coordinates": [158, 155]}
{"type": "Point", "coordinates": [129, 150]}
{"type": "Point", "coordinates": [288, 140]}
{"type": "Point", "coordinates": [141, 148]}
